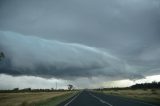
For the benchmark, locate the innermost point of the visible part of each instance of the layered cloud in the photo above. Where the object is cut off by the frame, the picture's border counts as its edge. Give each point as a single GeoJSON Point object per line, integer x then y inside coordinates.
{"type": "Point", "coordinates": [30, 55]}
{"type": "Point", "coordinates": [83, 40]}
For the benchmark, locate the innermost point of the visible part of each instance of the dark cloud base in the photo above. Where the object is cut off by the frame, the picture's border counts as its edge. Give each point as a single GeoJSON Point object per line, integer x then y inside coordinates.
{"type": "Point", "coordinates": [114, 39]}
{"type": "Point", "coordinates": [47, 59]}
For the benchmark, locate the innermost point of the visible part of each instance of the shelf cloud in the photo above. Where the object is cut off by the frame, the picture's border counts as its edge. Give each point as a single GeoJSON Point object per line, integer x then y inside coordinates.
{"type": "Point", "coordinates": [80, 39]}
{"type": "Point", "coordinates": [30, 55]}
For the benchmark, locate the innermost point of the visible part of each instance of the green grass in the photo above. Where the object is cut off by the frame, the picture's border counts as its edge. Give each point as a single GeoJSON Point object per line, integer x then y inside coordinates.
{"type": "Point", "coordinates": [55, 100]}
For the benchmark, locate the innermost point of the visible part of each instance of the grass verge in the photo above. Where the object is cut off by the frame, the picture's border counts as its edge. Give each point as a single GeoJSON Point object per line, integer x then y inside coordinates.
{"type": "Point", "coordinates": [145, 95]}
{"type": "Point", "coordinates": [29, 98]}
{"type": "Point", "coordinates": [55, 100]}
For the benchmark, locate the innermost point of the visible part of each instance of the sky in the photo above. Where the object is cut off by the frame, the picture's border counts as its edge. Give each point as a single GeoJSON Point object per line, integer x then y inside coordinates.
{"type": "Point", "coordinates": [87, 43]}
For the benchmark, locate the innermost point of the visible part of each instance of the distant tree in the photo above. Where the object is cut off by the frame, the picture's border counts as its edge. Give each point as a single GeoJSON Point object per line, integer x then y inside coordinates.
{"type": "Point", "coordinates": [15, 89]}
{"type": "Point", "coordinates": [147, 85]}
{"type": "Point", "coordinates": [26, 89]}
{"type": "Point", "coordinates": [70, 87]}
{"type": "Point", "coordinates": [2, 55]}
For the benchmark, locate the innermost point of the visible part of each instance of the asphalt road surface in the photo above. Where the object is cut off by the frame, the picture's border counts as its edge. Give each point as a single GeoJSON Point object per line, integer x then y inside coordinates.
{"type": "Point", "coordinates": [88, 98]}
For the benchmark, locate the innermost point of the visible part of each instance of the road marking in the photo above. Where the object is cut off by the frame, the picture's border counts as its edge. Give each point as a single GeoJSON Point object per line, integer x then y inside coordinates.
{"type": "Point", "coordinates": [72, 100]}
{"type": "Point", "coordinates": [102, 101]}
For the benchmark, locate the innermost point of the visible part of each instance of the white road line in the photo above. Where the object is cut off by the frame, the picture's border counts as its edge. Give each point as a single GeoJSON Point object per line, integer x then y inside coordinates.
{"type": "Point", "coordinates": [72, 100]}
{"type": "Point", "coordinates": [102, 101]}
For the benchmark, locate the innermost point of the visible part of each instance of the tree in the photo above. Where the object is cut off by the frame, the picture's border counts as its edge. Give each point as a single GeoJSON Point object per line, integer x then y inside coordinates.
{"type": "Point", "coordinates": [15, 89]}
{"type": "Point", "coordinates": [70, 87]}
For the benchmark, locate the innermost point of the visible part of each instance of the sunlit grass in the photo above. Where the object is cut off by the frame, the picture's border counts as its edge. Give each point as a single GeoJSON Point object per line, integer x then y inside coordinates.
{"type": "Point", "coordinates": [148, 95]}
{"type": "Point", "coordinates": [56, 100]}
{"type": "Point", "coordinates": [29, 98]}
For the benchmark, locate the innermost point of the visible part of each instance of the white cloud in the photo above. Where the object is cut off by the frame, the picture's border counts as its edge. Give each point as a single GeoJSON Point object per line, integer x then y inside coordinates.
{"type": "Point", "coordinates": [10, 82]}
{"type": "Point", "coordinates": [128, 82]}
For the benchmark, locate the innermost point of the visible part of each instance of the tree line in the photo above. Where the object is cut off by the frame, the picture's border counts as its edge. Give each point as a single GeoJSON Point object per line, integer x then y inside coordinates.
{"type": "Point", "coordinates": [16, 90]}
{"type": "Point", "coordinates": [153, 85]}
{"type": "Point", "coordinates": [147, 85]}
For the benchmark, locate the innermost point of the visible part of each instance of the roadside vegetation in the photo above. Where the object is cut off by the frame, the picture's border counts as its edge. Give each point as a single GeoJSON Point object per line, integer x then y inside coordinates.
{"type": "Point", "coordinates": [56, 100]}
{"type": "Point", "coordinates": [34, 97]}
{"type": "Point", "coordinates": [148, 92]}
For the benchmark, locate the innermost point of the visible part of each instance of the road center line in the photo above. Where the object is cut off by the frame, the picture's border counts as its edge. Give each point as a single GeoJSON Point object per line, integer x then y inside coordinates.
{"type": "Point", "coordinates": [72, 100]}
{"type": "Point", "coordinates": [102, 101]}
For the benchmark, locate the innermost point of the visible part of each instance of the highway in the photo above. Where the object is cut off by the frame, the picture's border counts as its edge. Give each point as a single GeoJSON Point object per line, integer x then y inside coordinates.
{"type": "Point", "coordinates": [88, 98]}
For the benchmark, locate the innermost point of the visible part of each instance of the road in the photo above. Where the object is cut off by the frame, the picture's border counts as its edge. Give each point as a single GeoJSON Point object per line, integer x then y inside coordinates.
{"type": "Point", "coordinates": [88, 98]}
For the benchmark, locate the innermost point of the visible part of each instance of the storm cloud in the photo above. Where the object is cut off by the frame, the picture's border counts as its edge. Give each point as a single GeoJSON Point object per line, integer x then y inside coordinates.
{"type": "Point", "coordinates": [30, 55]}
{"type": "Point", "coordinates": [110, 39]}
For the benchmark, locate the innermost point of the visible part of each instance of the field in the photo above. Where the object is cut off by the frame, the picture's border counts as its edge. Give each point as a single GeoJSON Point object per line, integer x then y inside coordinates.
{"type": "Point", "coordinates": [148, 95]}
{"type": "Point", "coordinates": [31, 98]}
